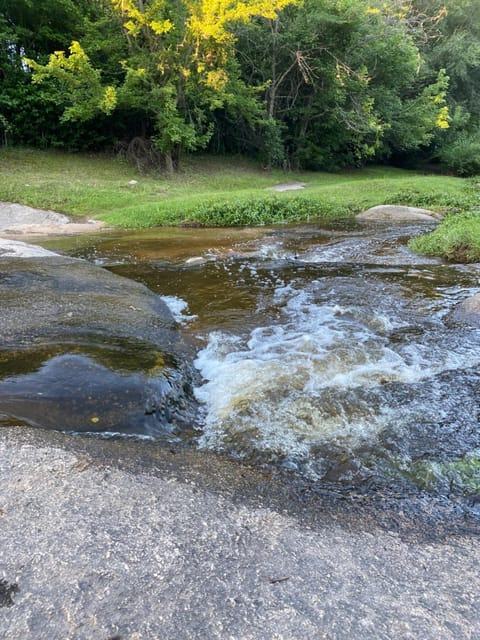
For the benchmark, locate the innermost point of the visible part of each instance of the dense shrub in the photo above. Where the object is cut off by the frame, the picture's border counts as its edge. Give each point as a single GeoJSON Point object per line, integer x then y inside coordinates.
{"type": "Point", "coordinates": [463, 155]}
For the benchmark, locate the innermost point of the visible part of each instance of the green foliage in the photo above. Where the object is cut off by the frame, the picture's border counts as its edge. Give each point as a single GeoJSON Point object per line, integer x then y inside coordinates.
{"type": "Point", "coordinates": [342, 78]}
{"type": "Point", "coordinates": [269, 210]}
{"type": "Point", "coordinates": [179, 68]}
{"type": "Point", "coordinates": [272, 152]}
{"type": "Point", "coordinates": [453, 44]}
{"type": "Point", "coordinates": [416, 120]}
{"type": "Point", "coordinates": [38, 28]}
{"type": "Point", "coordinates": [74, 81]}
{"type": "Point", "coordinates": [462, 155]}
{"type": "Point", "coordinates": [439, 198]}
{"type": "Point", "coordinates": [34, 30]}
{"type": "Point", "coordinates": [319, 84]}
{"type": "Point", "coordinates": [455, 47]}
{"type": "Point", "coordinates": [457, 239]}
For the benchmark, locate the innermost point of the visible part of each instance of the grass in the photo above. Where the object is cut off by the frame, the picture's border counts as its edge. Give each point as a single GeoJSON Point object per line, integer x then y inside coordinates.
{"type": "Point", "coordinates": [457, 239]}
{"type": "Point", "coordinates": [213, 191]}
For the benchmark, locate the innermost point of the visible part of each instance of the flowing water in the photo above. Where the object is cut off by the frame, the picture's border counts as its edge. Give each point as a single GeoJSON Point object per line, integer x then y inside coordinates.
{"type": "Point", "coordinates": [327, 351]}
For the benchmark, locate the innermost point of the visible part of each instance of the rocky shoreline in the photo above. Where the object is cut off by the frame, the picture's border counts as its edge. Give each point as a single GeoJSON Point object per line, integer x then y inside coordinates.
{"type": "Point", "coordinates": [104, 539]}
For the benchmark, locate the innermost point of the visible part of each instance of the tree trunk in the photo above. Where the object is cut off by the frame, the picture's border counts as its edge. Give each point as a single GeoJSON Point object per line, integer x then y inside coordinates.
{"type": "Point", "coordinates": [169, 163]}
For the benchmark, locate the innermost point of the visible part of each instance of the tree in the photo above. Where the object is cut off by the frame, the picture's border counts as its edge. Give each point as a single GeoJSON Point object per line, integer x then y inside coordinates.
{"type": "Point", "coordinates": [179, 69]}
{"type": "Point", "coordinates": [34, 30]}
{"type": "Point", "coordinates": [342, 82]}
{"type": "Point", "coordinates": [454, 45]}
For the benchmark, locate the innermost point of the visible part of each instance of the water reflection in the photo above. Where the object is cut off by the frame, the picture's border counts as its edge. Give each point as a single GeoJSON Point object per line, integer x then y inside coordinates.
{"type": "Point", "coordinates": [325, 350]}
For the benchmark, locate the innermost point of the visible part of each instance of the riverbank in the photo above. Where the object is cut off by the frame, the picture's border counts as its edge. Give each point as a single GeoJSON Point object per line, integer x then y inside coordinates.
{"type": "Point", "coordinates": [213, 191]}
{"type": "Point", "coordinates": [117, 540]}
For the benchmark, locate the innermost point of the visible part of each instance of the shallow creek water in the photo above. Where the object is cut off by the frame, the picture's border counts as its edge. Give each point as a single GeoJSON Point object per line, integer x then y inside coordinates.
{"type": "Point", "coordinates": [327, 351]}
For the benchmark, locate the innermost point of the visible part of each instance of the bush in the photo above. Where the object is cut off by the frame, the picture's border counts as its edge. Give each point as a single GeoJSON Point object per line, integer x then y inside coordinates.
{"type": "Point", "coordinates": [463, 155]}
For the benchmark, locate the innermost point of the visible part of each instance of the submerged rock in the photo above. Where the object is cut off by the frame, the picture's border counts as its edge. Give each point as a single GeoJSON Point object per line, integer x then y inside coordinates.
{"type": "Point", "coordinates": [83, 349]}
{"type": "Point", "coordinates": [395, 213]}
{"type": "Point", "coordinates": [468, 311]}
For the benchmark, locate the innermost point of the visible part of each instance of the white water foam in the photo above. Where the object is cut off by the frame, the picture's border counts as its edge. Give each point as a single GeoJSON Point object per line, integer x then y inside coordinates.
{"type": "Point", "coordinates": [179, 309]}
{"type": "Point", "coordinates": [294, 384]}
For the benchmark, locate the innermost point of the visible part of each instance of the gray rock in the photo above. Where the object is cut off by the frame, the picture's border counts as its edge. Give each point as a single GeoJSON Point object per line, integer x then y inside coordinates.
{"type": "Point", "coordinates": [87, 350]}
{"type": "Point", "coordinates": [13, 215]}
{"type": "Point", "coordinates": [19, 220]}
{"type": "Point", "coordinates": [468, 311]}
{"type": "Point", "coordinates": [98, 546]}
{"type": "Point", "coordinates": [394, 213]}
{"type": "Point", "coordinates": [15, 249]}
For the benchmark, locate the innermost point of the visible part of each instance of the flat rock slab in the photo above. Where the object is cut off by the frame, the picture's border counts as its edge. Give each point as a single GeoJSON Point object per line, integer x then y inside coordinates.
{"type": "Point", "coordinates": [394, 213]}
{"type": "Point", "coordinates": [54, 229]}
{"type": "Point", "coordinates": [289, 186]}
{"type": "Point", "coordinates": [14, 249]}
{"type": "Point", "coordinates": [94, 549]}
{"type": "Point", "coordinates": [13, 215]}
{"type": "Point", "coordinates": [17, 219]}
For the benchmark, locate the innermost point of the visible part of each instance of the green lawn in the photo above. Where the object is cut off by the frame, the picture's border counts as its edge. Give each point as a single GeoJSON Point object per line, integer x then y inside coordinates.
{"type": "Point", "coordinates": [214, 191]}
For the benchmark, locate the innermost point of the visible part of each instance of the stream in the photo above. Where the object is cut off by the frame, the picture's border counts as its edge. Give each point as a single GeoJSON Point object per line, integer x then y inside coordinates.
{"type": "Point", "coordinates": [326, 351]}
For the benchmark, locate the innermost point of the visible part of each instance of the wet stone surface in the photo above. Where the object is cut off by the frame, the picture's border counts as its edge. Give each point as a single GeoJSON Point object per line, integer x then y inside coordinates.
{"type": "Point", "coordinates": [82, 349]}
{"type": "Point", "coordinates": [7, 591]}
{"type": "Point", "coordinates": [335, 489]}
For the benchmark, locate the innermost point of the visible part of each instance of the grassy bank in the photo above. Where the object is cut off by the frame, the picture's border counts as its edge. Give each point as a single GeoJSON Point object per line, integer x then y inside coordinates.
{"type": "Point", "coordinates": [213, 191]}
{"type": "Point", "coordinates": [457, 239]}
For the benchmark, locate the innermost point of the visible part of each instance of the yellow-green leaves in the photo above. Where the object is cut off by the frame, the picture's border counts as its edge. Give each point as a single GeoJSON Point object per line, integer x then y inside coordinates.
{"type": "Point", "coordinates": [109, 102]}
{"type": "Point", "coordinates": [437, 93]}
{"type": "Point", "coordinates": [61, 65]}
{"type": "Point", "coordinates": [443, 118]}
{"type": "Point", "coordinates": [211, 19]}
{"type": "Point", "coordinates": [182, 64]}
{"type": "Point", "coordinates": [161, 26]}
{"type": "Point", "coordinates": [138, 17]}
{"type": "Point", "coordinates": [77, 82]}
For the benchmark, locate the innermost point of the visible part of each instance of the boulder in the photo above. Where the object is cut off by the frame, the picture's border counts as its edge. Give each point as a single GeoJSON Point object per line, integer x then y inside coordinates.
{"type": "Point", "coordinates": [83, 349]}
{"type": "Point", "coordinates": [468, 311]}
{"type": "Point", "coordinates": [394, 213]}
